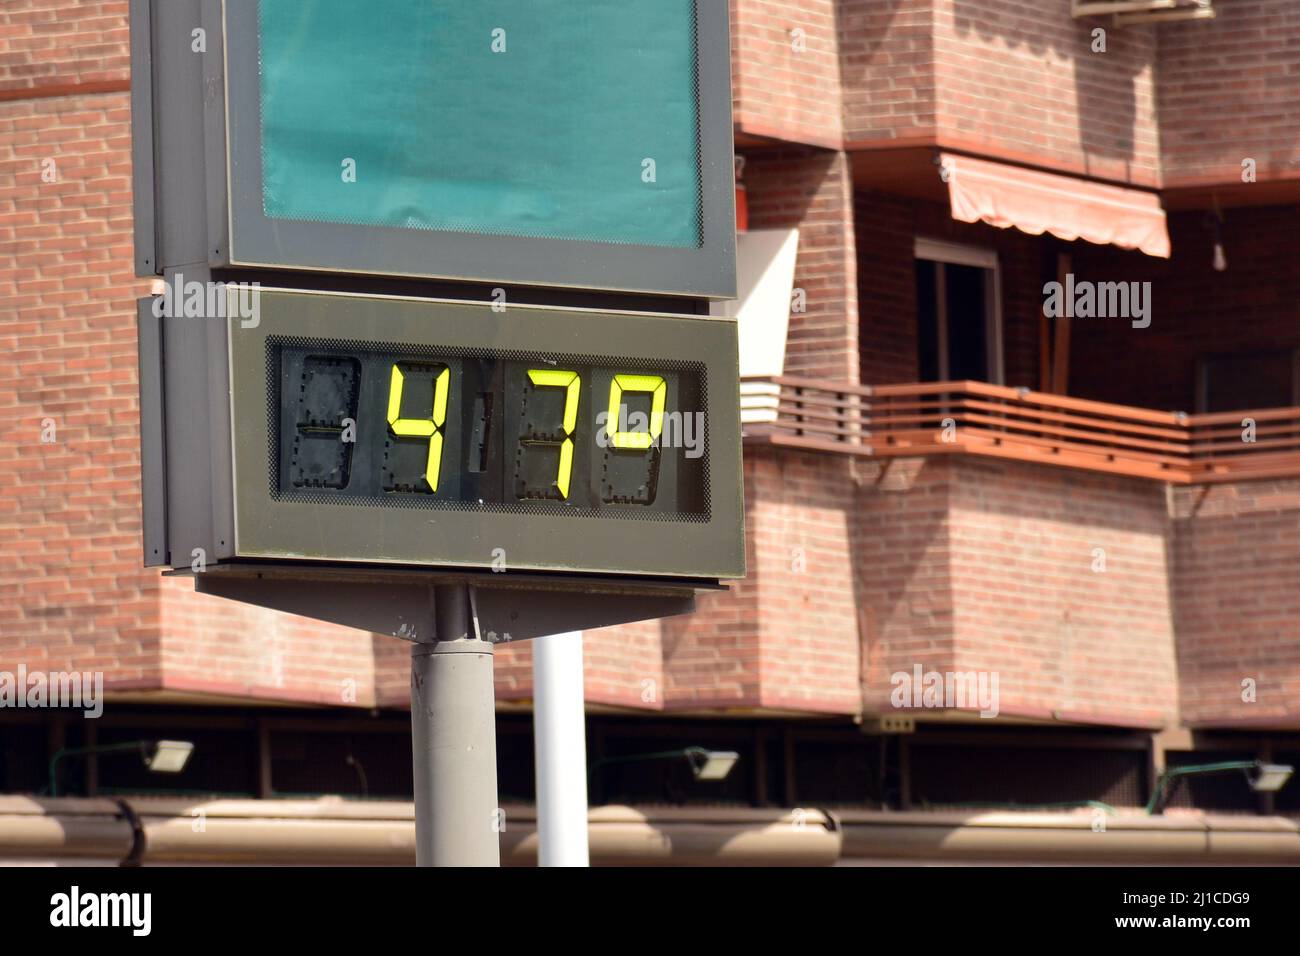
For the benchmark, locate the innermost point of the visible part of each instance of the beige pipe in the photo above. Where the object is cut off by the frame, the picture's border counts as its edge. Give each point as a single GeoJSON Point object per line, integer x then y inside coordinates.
{"type": "Point", "coordinates": [243, 832]}
{"type": "Point", "coordinates": [335, 831]}
{"type": "Point", "coordinates": [36, 828]}
{"type": "Point", "coordinates": [1069, 837]}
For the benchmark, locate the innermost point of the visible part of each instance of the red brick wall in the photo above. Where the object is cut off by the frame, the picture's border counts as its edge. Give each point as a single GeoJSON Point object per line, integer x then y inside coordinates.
{"type": "Point", "coordinates": [1019, 78]}
{"type": "Point", "coordinates": [213, 646]}
{"type": "Point", "coordinates": [903, 569]}
{"type": "Point", "coordinates": [1177, 104]}
{"type": "Point", "coordinates": [624, 666]}
{"type": "Point", "coordinates": [393, 672]}
{"type": "Point", "coordinates": [786, 86]}
{"type": "Point", "coordinates": [72, 592]}
{"type": "Point", "coordinates": [802, 526]}
{"type": "Point", "coordinates": [711, 657]}
{"type": "Point", "coordinates": [812, 190]}
{"type": "Point", "coordinates": [1237, 595]}
{"type": "Point", "coordinates": [887, 67]}
{"type": "Point", "coordinates": [1068, 640]}
{"type": "Point", "coordinates": [55, 42]}
{"type": "Point", "coordinates": [1011, 79]}
{"type": "Point", "coordinates": [886, 231]}
{"type": "Point", "coordinates": [972, 565]}
{"type": "Point", "coordinates": [1227, 90]}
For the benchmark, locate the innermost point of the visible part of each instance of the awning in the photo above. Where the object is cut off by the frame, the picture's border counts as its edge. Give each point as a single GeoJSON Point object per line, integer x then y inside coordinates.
{"type": "Point", "coordinates": [1037, 202]}
{"type": "Point", "coordinates": [765, 261]}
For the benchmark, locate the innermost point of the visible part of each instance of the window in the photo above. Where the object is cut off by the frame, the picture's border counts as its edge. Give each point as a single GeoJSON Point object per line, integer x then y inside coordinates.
{"type": "Point", "coordinates": [1229, 383]}
{"type": "Point", "coordinates": [959, 313]}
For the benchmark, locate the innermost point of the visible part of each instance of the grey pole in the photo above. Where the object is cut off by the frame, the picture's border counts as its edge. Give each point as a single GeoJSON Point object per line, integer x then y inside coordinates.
{"type": "Point", "coordinates": [453, 740]}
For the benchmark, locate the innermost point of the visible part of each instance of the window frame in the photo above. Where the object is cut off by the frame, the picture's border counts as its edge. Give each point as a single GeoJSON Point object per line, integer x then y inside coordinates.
{"type": "Point", "coordinates": [1203, 376]}
{"type": "Point", "coordinates": [943, 252]}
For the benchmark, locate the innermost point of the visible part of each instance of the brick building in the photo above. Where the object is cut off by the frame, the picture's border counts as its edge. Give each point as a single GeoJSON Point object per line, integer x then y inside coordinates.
{"type": "Point", "coordinates": [1099, 512]}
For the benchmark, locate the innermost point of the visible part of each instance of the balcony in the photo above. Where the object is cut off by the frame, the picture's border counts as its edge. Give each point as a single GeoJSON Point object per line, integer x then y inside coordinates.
{"type": "Point", "coordinates": [974, 418]}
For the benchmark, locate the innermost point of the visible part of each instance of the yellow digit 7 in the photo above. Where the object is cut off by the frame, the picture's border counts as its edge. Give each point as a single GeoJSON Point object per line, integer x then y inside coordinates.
{"type": "Point", "coordinates": [555, 378]}
{"type": "Point", "coordinates": [658, 389]}
{"type": "Point", "coordinates": [421, 427]}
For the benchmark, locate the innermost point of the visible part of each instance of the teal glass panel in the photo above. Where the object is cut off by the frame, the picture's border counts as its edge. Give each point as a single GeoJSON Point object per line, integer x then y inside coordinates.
{"type": "Point", "coordinates": [499, 117]}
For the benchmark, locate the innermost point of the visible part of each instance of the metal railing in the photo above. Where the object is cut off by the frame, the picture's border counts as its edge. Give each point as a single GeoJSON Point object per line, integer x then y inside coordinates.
{"type": "Point", "coordinates": [930, 418]}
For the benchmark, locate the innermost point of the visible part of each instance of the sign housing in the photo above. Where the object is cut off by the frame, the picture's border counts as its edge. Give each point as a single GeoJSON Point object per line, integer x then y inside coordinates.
{"type": "Point", "coordinates": [546, 144]}
{"type": "Point", "coordinates": [381, 430]}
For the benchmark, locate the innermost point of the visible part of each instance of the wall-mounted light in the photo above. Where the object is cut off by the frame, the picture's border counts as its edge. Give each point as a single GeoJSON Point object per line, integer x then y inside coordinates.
{"type": "Point", "coordinates": [1269, 777]}
{"type": "Point", "coordinates": [168, 756]}
{"type": "Point", "coordinates": [711, 764]}
{"type": "Point", "coordinates": [1220, 259]}
{"type": "Point", "coordinates": [1216, 220]}
{"type": "Point", "coordinates": [706, 765]}
{"type": "Point", "coordinates": [159, 756]}
{"type": "Point", "coordinates": [1262, 777]}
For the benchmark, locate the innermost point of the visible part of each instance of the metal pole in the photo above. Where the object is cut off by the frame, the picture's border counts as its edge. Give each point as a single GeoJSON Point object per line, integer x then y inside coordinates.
{"type": "Point", "coordinates": [453, 741]}
{"type": "Point", "coordinates": [560, 742]}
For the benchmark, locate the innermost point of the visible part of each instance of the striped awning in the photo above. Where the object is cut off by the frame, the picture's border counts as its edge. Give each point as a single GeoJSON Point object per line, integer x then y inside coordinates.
{"type": "Point", "coordinates": [1036, 202]}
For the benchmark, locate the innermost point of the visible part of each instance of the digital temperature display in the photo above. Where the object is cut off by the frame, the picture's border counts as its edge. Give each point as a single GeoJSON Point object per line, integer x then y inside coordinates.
{"type": "Point", "coordinates": [407, 432]}
{"type": "Point", "coordinates": [417, 427]}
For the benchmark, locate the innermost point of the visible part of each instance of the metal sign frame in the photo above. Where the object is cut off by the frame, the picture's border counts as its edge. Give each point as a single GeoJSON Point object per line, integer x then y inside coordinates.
{"type": "Point", "coordinates": [269, 528]}
{"type": "Point", "coordinates": [207, 208]}
{"type": "Point", "coordinates": [216, 433]}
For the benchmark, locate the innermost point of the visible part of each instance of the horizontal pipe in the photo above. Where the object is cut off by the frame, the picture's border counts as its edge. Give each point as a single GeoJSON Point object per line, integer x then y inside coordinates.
{"type": "Point", "coordinates": [66, 827]}
{"type": "Point", "coordinates": [1070, 837]}
{"type": "Point", "coordinates": [335, 831]}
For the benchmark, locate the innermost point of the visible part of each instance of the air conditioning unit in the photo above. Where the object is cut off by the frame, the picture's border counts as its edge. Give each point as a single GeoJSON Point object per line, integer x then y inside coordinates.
{"type": "Point", "coordinates": [1144, 11]}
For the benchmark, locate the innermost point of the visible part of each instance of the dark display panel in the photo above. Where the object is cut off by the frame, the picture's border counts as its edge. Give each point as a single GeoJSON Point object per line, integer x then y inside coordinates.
{"type": "Point", "coordinates": [509, 405]}
{"type": "Point", "coordinates": [417, 426]}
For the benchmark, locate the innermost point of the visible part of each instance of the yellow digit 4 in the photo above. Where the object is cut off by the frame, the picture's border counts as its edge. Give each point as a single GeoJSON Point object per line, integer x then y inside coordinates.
{"type": "Point", "coordinates": [429, 428]}
{"type": "Point", "coordinates": [555, 378]}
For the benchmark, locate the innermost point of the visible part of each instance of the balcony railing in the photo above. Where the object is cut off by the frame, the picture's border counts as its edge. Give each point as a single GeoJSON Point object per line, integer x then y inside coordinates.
{"type": "Point", "coordinates": [975, 418]}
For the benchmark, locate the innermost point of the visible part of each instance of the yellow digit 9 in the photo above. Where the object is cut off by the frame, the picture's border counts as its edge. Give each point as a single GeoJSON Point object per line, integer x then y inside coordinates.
{"type": "Point", "coordinates": [654, 384]}
{"type": "Point", "coordinates": [555, 378]}
{"type": "Point", "coordinates": [429, 428]}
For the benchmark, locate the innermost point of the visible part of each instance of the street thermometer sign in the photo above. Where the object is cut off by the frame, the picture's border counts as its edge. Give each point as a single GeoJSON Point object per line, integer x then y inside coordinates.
{"type": "Point", "coordinates": [430, 352]}
{"type": "Point", "coordinates": [414, 432]}
{"type": "Point", "coordinates": [434, 293]}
